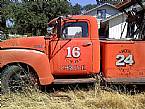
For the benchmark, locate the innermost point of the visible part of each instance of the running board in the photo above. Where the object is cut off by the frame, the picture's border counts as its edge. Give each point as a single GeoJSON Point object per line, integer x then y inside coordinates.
{"type": "Point", "coordinates": [74, 81]}
{"type": "Point", "coordinates": [125, 80]}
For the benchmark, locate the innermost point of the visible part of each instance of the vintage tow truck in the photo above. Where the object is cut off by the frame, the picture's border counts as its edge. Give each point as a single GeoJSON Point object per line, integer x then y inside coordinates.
{"type": "Point", "coordinates": [72, 53]}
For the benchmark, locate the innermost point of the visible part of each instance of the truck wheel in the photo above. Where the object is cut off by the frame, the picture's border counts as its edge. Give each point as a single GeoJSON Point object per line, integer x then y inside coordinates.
{"type": "Point", "coordinates": [15, 78]}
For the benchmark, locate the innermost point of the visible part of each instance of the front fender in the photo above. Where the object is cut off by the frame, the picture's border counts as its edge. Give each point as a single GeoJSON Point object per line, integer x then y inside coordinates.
{"type": "Point", "coordinates": [36, 59]}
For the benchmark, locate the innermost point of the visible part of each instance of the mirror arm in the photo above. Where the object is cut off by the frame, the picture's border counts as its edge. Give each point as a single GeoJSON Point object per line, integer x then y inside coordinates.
{"type": "Point", "coordinates": [59, 27]}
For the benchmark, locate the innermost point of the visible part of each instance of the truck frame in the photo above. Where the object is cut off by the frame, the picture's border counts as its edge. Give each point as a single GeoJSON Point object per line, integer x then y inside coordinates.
{"type": "Point", "coordinates": [71, 53]}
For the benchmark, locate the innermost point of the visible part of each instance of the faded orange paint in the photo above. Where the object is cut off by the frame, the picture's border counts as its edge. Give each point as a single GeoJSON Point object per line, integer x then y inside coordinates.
{"type": "Point", "coordinates": [136, 68]}
{"type": "Point", "coordinates": [37, 43]}
{"type": "Point", "coordinates": [48, 57]}
{"type": "Point", "coordinates": [89, 60]}
{"type": "Point", "coordinates": [36, 59]}
{"type": "Point", "coordinates": [53, 56]}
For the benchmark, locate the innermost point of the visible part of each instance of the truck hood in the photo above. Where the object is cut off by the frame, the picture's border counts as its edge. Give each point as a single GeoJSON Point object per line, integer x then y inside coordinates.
{"type": "Point", "coordinates": [37, 43]}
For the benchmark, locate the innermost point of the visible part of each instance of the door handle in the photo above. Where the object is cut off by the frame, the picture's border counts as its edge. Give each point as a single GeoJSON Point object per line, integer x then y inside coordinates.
{"type": "Point", "coordinates": [87, 44]}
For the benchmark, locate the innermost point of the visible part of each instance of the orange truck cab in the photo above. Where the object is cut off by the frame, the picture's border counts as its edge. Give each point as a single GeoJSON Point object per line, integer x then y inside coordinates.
{"type": "Point", "coordinates": [73, 53]}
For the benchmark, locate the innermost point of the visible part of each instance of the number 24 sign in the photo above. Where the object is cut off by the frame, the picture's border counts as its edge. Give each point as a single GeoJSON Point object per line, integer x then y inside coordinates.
{"type": "Point", "coordinates": [124, 60]}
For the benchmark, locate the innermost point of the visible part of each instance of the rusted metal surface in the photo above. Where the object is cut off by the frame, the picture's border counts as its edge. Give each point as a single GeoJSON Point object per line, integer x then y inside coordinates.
{"type": "Point", "coordinates": [124, 4]}
{"type": "Point", "coordinates": [125, 80]}
{"type": "Point", "coordinates": [73, 81]}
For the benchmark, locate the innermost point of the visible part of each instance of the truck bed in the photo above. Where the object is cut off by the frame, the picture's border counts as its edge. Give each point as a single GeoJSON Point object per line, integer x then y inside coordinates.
{"type": "Point", "coordinates": [123, 61]}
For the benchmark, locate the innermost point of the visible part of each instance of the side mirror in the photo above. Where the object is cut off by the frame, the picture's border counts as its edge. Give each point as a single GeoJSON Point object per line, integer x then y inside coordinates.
{"type": "Point", "coordinates": [54, 28]}
{"type": "Point", "coordinates": [49, 30]}
{"type": "Point", "coordinates": [49, 33]}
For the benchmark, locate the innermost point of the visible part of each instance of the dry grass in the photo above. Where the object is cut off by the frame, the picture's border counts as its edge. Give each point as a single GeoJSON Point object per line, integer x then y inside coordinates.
{"type": "Point", "coordinates": [74, 99]}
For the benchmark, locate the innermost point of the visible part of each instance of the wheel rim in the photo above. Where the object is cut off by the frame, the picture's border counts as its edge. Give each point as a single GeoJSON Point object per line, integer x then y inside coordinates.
{"type": "Point", "coordinates": [22, 81]}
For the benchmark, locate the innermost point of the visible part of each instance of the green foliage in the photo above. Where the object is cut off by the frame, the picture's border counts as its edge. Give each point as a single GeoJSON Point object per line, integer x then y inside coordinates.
{"type": "Point", "coordinates": [33, 16]}
{"type": "Point", "coordinates": [89, 6]}
{"type": "Point", "coordinates": [76, 9]}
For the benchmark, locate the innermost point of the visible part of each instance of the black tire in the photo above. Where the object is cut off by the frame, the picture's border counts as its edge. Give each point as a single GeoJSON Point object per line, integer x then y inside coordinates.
{"type": "Point", "coordinates": [14, 78]}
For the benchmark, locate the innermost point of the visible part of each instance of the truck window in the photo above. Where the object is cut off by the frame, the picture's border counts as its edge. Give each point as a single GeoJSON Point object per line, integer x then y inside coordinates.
{"type": "Point", "coordinates": [75, 30]}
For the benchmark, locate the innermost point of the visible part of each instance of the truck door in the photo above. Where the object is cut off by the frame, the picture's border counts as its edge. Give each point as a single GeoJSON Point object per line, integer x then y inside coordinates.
{"type": "Point", "coordinates": [72, 53]}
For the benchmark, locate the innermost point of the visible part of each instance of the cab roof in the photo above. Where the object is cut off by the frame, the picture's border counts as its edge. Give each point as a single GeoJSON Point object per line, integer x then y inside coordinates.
{"type": "Point", "coordinates": [74, 17]}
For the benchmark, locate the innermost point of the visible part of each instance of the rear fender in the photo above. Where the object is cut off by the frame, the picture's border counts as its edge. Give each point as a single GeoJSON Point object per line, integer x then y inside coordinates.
{"type": "Point", "coordinates": [37, 60]}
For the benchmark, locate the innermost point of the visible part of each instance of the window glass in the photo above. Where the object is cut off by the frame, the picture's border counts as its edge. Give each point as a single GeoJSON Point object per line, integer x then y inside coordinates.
{"type": "Point", "coordinates": [75, 30]}
{"type": "Point", "coordinates": [101, 14]}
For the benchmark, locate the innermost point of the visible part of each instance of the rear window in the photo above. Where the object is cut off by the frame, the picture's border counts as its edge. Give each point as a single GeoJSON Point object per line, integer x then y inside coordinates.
{"type": "Point", "coordinates": [75, 30]}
